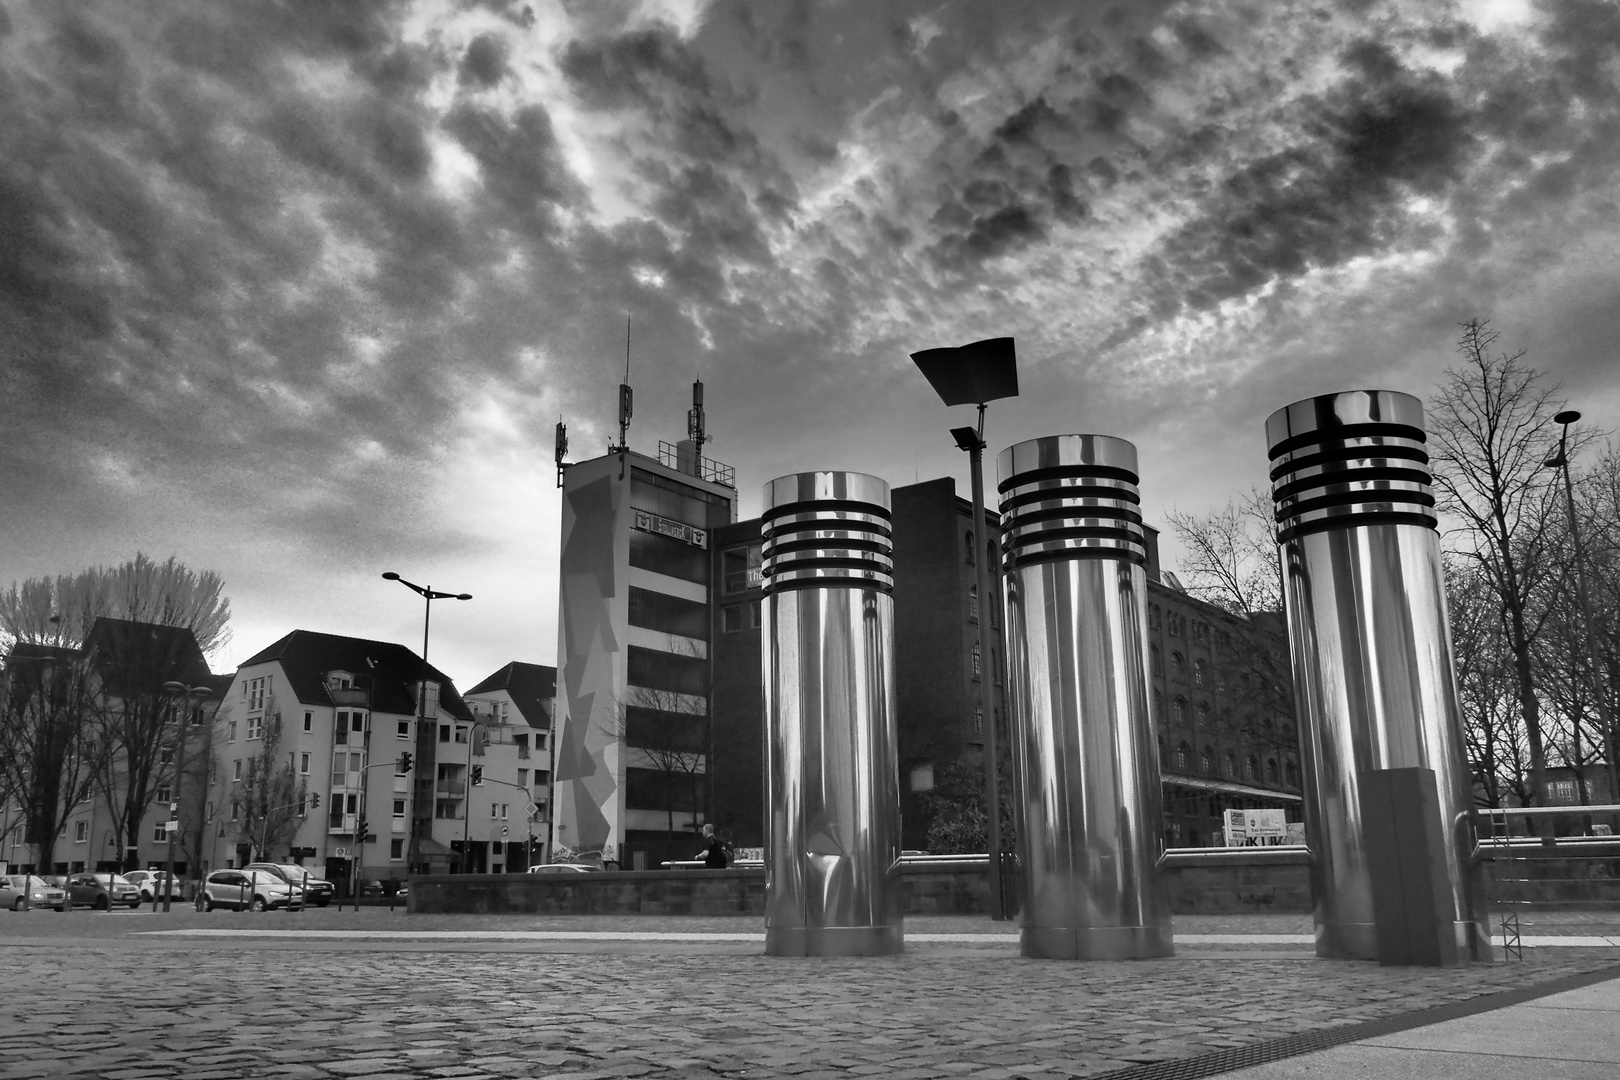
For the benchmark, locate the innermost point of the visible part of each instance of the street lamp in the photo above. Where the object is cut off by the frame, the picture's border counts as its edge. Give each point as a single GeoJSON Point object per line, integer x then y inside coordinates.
{"type": "Point", "coordinates": [466, 806]}
{"type": "Point", "coordinates": [190, 697]}
{"type": "Point", "coordinates": [428, 596]}
{"type": "Point", "coordinates": [1560, 459]}
{"type": "Point", "coordinates": [975, 374]}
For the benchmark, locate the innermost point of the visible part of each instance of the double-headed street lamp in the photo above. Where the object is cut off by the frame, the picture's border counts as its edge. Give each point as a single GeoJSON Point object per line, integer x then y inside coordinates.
{"type": "Point", "coordinates": [428, 596]}
{"type": "Point", "coordinates": [190, 697]}
{"type": "Point", "coordinates": [975, 374]}
{"type": "Point", "coordinates": [1560, 459]}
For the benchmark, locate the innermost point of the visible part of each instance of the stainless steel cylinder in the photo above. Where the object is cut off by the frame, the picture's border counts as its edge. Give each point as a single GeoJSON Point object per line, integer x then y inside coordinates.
{"type": "Point", "coordinates": [1373, 674]}
{"type": "Point", "coordinates": [1084, 757]}
{"type": "Point", "coordinates": [832, 854]}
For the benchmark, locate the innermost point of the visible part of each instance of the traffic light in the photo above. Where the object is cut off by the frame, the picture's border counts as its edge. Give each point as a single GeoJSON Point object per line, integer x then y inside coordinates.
{"type": "Point", "coordinates": [315, 801]}
{"type": "Point", "coordinates": [478, 775]}
{"type": "Point", "coordinates": [405, 762]}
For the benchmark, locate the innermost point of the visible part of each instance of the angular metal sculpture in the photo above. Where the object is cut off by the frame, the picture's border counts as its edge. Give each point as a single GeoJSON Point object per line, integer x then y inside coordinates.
{"type": "Point", "coordinates": [1373, 675]}
{"type": "Point", "coordinates": [1084, 757]}
{"type": "Point", "coordinates": [832, 855]}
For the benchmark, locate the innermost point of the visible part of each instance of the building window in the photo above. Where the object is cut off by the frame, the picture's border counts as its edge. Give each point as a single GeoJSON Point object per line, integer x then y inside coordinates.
{"type": "Point", "coordinates": [973, 603]}
{"type": "Point", "coordinates": [523, 778]}
{"type": "Point", "coordinates": [1200, 631]}
{"type": "Point", "coordinates": [975, 659]}
{"type": "Point", "coordinates": [1157, 657]}
{"type": "Point", "coordinates": [978, 719]}
{"type": "Point", "coordinates": [1153, 616]}
{"type": "Point", "coordinates": [1178, 665]}
{"type": "Point", "coordinates": [303, 764]}
{"type": "Point", "coordinates": [403, 730]}
{"type": "Point", "coordinates": [165, 793]}
{"type": "Point", "coordinates": [1203, 714]}
{"type": "Point", "coordinates": [444, 732]}
{"type": "Point", "coordinates": [733, 618]}
{"type": "Point", "coordinates": [236, 769]}
{"type": "Point", "coordinates": [995, 667]}
{"type": "Point", "coordinates": [1158, 710]}
{"type": "Point", "coordinates": [160, 835]}
{"type": "Point", "coordinates": [399, 809]}
{"type": "Point", "coordinates": [1206, 762]}
{"type": "Point", "coordinates": [1271, 770]}
{"type": "Point", "coordinates": [740, 569]}
{"type": "Point", "coordinates": [970, 546]}
{"type": "Point", "coordinates": [165, 755]}
{"type": "Point", "coordinates": [255, 728]}
{"type": "Point", "coordinates": [1200, 673]}
{"type": "Point", "coordinates": [309, 721]}
{"type": "Point", "coordinates": [1183, 757]}
{"type": "Point", "coordinates": [230, 731]}
{"type": "Point", "coordinates": [233, 809]}
{"type": "Point", "coordinates": [1178, 711]}
{"type": "Point", "coordinates": [396, 850]}
{"type": "Point", "coordinates": [81, 831]}
{"type": "Point", "coordinates": [461, 733]}
{"type": "Point", "coordinates": [1251, 767]}
{"type": "Point", "coordinates": [1291, 772]}
{"type": "Point", "coordinates": [257, 689]}
{"type": "Point", "coordinates": [1230, 767]}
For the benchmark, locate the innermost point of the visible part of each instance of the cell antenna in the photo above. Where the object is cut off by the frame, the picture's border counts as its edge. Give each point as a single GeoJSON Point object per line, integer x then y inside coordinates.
{"type": "Point", "coordinates": [627, 397]}
{"type": "Point", "coordinates": [562, 450]}
{"type": "Point", "coordinates": [694, 420]}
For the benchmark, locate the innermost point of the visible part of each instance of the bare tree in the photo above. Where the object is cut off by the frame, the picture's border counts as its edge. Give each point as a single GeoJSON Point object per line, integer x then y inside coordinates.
{"type": "Point", "coordinates": [1493, 725]}
{"type": "Point", "coordinates": [271, 799]}
{"type": "Point", "coordinates": [62, 610]}
{"type": "Point", "coordinates": [1232, 559]}
{"type": "Point", "coordinates": [45, 762]}
{"type": "Point", "coordinates": [1491, 427]}
{"type": "Point", "coordinates": [135, 721]}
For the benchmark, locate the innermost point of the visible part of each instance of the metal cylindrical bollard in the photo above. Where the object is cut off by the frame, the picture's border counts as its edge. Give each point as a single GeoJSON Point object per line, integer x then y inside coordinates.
{"type": "Point", "coordinates": [832, 855]}
{"type": "Point", "coordinates": [1371, 646]}
{"type": "Point", "coordinates": [1084, 756]}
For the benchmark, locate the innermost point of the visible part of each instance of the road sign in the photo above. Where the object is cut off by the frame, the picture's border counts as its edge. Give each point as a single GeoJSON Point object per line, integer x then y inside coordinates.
{"type": "Point", "coordinates": [171, 825]}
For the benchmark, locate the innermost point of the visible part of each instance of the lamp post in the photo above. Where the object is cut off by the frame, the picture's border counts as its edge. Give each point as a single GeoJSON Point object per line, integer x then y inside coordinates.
{"type": "Point", "coordinates": [1556, 461]}
{"type": "Point", "coordinates": [975, 374]}
{"type": "Point", "coordinates": [428, 596]}
{"type": "Point", "coordinates": [190, 696]}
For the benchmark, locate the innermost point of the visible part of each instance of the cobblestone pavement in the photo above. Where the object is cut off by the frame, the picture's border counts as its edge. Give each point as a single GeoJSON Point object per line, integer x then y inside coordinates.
{"type": "Point", "coordinates": [101, 998]}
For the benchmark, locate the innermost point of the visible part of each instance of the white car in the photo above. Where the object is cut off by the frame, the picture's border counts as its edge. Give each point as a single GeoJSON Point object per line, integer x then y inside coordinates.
{"type": "Point", "coordinates": [23, 890]}
{"type": "Point", "coordinates": [149, 882]}
{"type": "Point", "coordinates": [563, 868]}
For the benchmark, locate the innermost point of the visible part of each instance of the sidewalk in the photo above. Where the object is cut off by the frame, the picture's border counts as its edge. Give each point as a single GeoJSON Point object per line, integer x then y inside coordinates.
{"type": "Point", "coordinates": [331, 994]}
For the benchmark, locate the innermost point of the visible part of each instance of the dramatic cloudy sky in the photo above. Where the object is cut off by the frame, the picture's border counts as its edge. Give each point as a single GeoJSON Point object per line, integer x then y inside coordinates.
{"type": "Point", "coordinates": [298, 290]}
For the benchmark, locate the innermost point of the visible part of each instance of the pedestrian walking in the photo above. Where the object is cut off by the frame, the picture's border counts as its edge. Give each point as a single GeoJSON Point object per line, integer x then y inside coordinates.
{"type": "Point", "coordinates": [714, 854]}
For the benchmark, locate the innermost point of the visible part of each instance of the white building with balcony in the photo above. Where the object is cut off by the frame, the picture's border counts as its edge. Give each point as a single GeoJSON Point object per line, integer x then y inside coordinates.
{"type": "Point", "coordinates": [370, 735]}
{"type": "Point", "coordinates": [512, 709]}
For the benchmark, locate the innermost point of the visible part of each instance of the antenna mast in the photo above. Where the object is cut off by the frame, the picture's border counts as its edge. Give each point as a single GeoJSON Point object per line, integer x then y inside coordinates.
{"type": "Point", "coordinates": [694, 423]}
{"type": "Point", "coordinates": [626, 395]}
{"type": "Point", "coordinates": [562, 450]}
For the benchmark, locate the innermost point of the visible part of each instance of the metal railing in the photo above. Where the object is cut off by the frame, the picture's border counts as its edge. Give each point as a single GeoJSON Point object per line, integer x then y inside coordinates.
{"type": "Point", "coordinates": [714, 472]}
{"type": "Point", "coordinates": [1536, 870]}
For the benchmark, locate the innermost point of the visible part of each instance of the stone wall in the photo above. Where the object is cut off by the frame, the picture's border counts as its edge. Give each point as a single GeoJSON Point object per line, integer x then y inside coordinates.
{"type": "Point", "coordinates": [1236, 886]}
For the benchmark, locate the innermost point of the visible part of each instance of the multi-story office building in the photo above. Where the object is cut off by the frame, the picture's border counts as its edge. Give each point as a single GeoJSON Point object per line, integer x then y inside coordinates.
{"type": "Point", "coordinates": [511, 796]}
{"type": "Point", "coordinates": [636, 590]}
{"type": "Point", "coordinates": [379, 742]}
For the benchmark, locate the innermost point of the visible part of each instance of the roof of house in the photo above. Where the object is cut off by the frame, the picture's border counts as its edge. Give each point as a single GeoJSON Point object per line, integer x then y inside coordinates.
{"type": "Point", "coordinates": [139, 657]}
{"type": "Point", "coordinates": [391, 669]}
{"type": "Point", "coordinates": [530, 686]}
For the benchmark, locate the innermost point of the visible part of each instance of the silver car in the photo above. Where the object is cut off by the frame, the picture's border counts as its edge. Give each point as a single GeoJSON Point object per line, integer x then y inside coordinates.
{"type": "Point", "coordinates": [255, 891]}
{"type": "Point", "coordinates": [150, 882]}
{"type": "Point", "coordinates": [18, 891]}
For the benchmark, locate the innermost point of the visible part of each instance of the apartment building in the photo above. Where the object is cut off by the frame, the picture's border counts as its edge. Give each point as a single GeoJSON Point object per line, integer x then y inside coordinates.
{"type": "Point", "coordinates": [511, 795]}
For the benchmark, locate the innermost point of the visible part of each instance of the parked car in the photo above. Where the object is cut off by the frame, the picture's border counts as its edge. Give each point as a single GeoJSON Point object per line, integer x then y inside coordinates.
{"type": "Point", "coordinates": [16, 889]}
{"type": "Point", "coordinates": [563, 868]}
{"type": "Point", "coordinates": [150, 882]}
{"type": "Point", "coordinates": [380, 888]}
{"type": "Point", "coordinates": [102, 891]}
{"type": "Point", "coordinates": [247, 888]}
{"type": "Point", "coordinates": [319, 889]}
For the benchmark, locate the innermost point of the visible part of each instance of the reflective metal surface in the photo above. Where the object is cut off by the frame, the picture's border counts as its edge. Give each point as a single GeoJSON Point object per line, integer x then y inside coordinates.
{"type": "Point", "coordinates": [1084, 755]}
{"type": "Point", "coordinates": [1371, 644]}
{"type": "Point", "coordinates": [832, 855]}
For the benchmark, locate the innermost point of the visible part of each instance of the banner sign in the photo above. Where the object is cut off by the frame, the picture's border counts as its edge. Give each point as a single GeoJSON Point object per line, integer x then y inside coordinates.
{"type": "Point", "coordinates": [675, 530]}
{"type": "Point", "coordinates": [1256, 828]}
